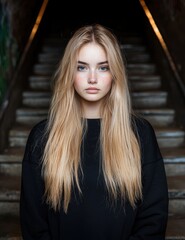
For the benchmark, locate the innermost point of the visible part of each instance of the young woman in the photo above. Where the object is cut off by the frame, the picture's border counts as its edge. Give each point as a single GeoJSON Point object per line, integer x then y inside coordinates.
{"type": "Point", "coordinates": [93, 170]}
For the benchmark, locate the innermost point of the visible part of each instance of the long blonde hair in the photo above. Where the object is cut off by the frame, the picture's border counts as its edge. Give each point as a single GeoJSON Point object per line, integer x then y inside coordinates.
{"type": "Point", "coordinates": [121, 164]}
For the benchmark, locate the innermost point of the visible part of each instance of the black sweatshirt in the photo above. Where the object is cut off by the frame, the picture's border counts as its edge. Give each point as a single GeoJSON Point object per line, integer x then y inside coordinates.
{"type": "Point", "coordinates": [91, 216]}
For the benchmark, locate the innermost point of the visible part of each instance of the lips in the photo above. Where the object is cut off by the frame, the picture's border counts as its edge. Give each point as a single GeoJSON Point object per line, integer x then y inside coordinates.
{"type": "Point", "coordinates": [92, 90]}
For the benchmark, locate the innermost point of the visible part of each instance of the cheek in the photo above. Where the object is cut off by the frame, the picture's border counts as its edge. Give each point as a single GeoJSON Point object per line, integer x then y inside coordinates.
{"type": "Point", "coordinates": [108, 84]}
{"type": "Point", "coordinates": [79, 86]}
{"type": "Point", "coordinates": [76, 86]}
{"type": "Point", "coordinates": [77, 82]}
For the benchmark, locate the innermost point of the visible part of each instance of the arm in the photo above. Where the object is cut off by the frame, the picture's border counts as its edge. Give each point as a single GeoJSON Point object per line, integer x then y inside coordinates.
{"type": "Point", "coordinates": [33, 211]}
{"type": "Point", "coordinates": [152, 213]}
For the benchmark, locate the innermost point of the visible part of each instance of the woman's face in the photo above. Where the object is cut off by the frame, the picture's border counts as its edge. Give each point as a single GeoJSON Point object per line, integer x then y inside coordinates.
{"type": "Point", "coordinates": [93, 79]}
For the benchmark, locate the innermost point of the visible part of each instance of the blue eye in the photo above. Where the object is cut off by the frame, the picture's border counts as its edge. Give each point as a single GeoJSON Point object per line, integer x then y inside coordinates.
{"type": "Point", "coordinates": [81, 68]}
{"type": "Point", "coordinates": [104, 68]}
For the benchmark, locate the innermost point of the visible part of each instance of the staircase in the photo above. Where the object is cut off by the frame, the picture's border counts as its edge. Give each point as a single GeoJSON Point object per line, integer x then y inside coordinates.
{"type": "Point", "coordinates": [150, 99]}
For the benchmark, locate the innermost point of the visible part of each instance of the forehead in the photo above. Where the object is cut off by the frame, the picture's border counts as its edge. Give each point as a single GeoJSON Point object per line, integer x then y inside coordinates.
{"type": "Point", "coordinates": [92, 50]}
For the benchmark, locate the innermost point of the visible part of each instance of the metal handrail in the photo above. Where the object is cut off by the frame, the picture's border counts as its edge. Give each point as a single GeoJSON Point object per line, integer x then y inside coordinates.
{"type": "Point", "coordinates": [32, 35]}
{"type": "Point", "coordinates": [34, 29]}
{"type": "Point", "coordinates": [163, 45]}
{"type": "Point", "coordinates": [12, 96]}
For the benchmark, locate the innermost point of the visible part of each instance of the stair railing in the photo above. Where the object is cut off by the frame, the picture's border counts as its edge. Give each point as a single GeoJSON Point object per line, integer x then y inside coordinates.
{"type": "Point", "coordinates": [163, 45]}
{"type": "Point", "coordinates": [13, 95]}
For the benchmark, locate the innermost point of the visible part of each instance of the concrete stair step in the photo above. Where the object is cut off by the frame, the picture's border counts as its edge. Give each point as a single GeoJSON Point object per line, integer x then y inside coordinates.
{"type": "Point", "coordinates": [158, 117]}
{"type": "Point", "coordinates": [170, 137]}
{"type": "Point", "coordinates": [141, 68]}
{"type": "Point", "coordinates": [175, 228]}
{"type": "Point", "coordinates": [35, 94]}
{"type": "Point", "coordinates": [49, 58]}
{"type": "Point", "coordinates": [140, 99]}
{"type": "Point", "coordinates": [167, 137]}
{"type": "Point", "coordinates": [10, 227]}
{"type": "Point", "coordinates": [18, 136]}
{"type": "Point", "coordinates": [140, 83]}
{"type": "Point", "coordinates": [9, 197]}
{"type": "Point", "coordinates": [170, 153]}
{"type": "Point", "coordinates": [36, 98]}
{"type": "Point", "coordinates": [30, 116]}
{"type": "Point", "coordinates": [40, 82]}
{"type": "Point", "coordinates": [147, 78]}
{"type": "Point", "coordinates": [137, 57]}
{"type": "Point", "coordinates": [31, 112]}
{"type": "Point", "coordinates": [44, 69]}
{"type": "Point", "coordinates": [11, 160]}
{"type": "Point", "coordinates": [10, 164]}
{"type": "Point", "coordinates": [176, 186]}
{"type": "Point", "coordinates": [9, 188]}
{"type": "Point", "coordinates": [14, 150]}
{"type": "Point", "coordinates": [136, 82]}
{"type": "Point", "coordinates": [9, 207]}
{"type": "Point", "coordinates": [49, 48]}
{"type": "Point", "coordinates": [174, 159]}
{"type": "Point", "coordinates": [149, 99]}
{"type": "Point", "coordinates": [133, 48]}
{"type": "Point", "coordinates": [37, 102]}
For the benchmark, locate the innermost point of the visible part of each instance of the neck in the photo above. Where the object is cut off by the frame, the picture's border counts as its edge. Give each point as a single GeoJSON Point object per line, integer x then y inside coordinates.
{"type": "Point", "coordinates": [91, 110]}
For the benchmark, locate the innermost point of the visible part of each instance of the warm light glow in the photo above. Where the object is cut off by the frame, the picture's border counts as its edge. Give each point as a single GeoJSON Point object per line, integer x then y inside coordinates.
{"type": "Point", "coordinates": [38, 20]}
{"type": "Point", "coordinates": [162, 42]}
{"type": "Point", "coordinates": [34, 29]}
{"type": "Point", "coordinates": [157, 32]}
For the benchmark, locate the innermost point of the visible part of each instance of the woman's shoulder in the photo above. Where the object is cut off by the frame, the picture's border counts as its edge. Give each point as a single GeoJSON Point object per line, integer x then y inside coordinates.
{"type": "Point", "coordinates": [142, 127]}
{"type": "Point", "coordinates": [37, 135]}
{"type": "Point", "coordinates": [35, 143]}
{"type": "Point", "coordinates": [144, 131]}
{"type": "Point", "coordinates": [38, 130]}
{"type": "Point", "coordinates": [147, 139]}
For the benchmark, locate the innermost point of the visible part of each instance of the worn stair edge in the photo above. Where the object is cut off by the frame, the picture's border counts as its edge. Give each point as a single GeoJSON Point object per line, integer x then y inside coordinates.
{"type": "Point", "coordinates": [133, 48]}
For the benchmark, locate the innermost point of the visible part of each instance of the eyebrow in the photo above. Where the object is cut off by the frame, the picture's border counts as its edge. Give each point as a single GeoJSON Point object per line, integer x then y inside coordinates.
{"type": "Point", "coordinates": [105, 62]}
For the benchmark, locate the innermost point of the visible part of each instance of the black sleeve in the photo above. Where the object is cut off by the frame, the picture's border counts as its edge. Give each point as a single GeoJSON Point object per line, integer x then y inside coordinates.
{"type": "Point", "coordinates": [152, 213]}
{"type": "Point", "coordinates": [33, 210]}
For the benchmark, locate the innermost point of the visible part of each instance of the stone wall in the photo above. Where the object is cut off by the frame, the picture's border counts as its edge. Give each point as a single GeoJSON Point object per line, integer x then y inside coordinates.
{"type": "Point", "coordinates": [21, 15]}
{"type": "Point", "coordinates": [16, 20]}
{"type": "Point", "coordinates": [169, 16]}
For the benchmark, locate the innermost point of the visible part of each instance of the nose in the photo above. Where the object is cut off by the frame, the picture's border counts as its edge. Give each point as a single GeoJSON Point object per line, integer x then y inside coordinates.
{"type": "Point", "coordinates": [92, 78]}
